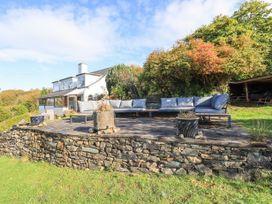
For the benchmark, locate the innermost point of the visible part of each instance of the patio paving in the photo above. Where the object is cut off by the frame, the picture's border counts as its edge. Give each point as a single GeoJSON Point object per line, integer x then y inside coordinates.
{"type": "Point", "coordinates": [155, 128]}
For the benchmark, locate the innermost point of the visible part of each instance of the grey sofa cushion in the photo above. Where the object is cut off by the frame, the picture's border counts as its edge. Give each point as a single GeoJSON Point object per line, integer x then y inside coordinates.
{"type": "Point", "coordinates": [207, 110]}
{"type": "Point", "coordinates": [126, 104]}
{"type": "Point", "coordinates": [87, 106]}
{"type": "Point", "coordinates": [115, 103]}
{"type": "Point", "coordinates": [139, 103]}
{"type": "Point", "coordinates": [168, 102]}
{"type": "Point", "coordinates": [205, 101]}
{"type": "Point", "coordinates": [219, 101]}
{"type": "Point", "coordinates": [176, 109]}
{"type": "Point", "coordinates": [185, 102]}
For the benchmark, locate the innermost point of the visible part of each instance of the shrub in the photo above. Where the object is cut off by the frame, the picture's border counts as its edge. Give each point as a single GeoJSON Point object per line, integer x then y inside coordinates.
{"type": "Point", "coordinates": [31, 106]}
{"type": "Point", "coordinates": [4, 114]}
{"type": "Point", "coordinates": [19, 110]}
{"type": "Point", "coordinates": [7, 124]}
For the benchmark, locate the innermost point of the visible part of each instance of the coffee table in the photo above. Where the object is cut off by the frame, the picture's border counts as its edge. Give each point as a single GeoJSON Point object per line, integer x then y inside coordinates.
{"type": "Point", "coordinates": [85, 115]}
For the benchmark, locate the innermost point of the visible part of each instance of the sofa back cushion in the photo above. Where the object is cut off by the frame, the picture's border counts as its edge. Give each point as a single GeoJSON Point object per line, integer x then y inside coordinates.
{"type": "Point", "coordinates": [219, 101]}
{"type": "Point", "coordinates": [115, 103]}
{"type": "Point", "coordinates": [205, 101]}
{"type": "Point", "coordinates": [185, 102]}
{"type": "Point", "coordinates": [126, 104]}
{"type": "Point", "coordinates": [139, 103]}
{"type": "Point", "coordinates": [168, 102]}
{"type": "Point", "coordinates": [87, 105]}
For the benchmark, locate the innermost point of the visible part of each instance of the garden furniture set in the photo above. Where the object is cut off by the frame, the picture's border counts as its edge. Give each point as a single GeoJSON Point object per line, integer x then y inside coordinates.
{"type": "Point", "coordinates": [203, 107]}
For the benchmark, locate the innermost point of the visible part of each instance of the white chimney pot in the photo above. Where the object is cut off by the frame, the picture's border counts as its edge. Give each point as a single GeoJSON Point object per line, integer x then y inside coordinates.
{"type": "Point", "coordinates": [82, 68]}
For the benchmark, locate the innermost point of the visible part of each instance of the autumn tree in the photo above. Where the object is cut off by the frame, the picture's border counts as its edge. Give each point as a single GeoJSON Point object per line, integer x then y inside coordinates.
{"type": "Point", "coordinates": [253, 19]}
{"type": "Point", "coordinates": [167, 73]}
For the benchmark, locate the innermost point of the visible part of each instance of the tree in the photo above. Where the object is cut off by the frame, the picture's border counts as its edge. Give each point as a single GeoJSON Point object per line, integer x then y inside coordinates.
{"type": "Point", "coordinates": [123, 81]}
{"type": "Point", "coordinates": [167, 73]}
{"type": "Point", "coordinates": [189, 68]}
{"type": "Point", "coordinates": [46, 91]}
{"type": "Point", "coordinates": [253, 19]}
{"type": "Point", "coordinates": [247, 60]}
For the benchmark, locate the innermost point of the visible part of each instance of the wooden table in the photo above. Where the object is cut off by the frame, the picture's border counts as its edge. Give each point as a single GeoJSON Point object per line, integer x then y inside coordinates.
{"type": "Point", "coordinates": [85, 115]}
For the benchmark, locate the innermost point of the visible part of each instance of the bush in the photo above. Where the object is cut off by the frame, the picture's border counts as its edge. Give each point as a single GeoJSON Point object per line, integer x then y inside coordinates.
{"type": "Point", "coordinates": [31, 106]}
{"type": "Point", "coordinates": [7, 124]}
{"type": "Point", "coordinates": [19, 110]}
{"type": "Point", "coordinates": [4, 114]}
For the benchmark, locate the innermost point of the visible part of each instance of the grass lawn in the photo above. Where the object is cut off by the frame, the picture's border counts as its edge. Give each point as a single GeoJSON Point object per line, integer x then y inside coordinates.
{"type": "Point", "coordinates": [255, 118]}
{"type": "Point", "coordinates": [27, 182]}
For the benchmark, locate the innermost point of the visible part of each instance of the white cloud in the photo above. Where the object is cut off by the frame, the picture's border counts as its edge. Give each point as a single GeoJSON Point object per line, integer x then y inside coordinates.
{"type": "Point", "coordinates": [56, 34]}
{"type": "Point", "coordinates": [74, 33]}
{"type": "Point", "coordinates": [181, 18]}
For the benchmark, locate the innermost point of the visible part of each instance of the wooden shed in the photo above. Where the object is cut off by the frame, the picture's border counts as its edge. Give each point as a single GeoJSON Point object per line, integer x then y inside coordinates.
{"type": "Point", "coordinates": [258, 89]}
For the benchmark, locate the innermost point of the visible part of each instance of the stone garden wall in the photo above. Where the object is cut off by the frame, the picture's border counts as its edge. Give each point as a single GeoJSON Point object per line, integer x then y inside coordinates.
{"type": "Point", "coordinates": [134, 154]}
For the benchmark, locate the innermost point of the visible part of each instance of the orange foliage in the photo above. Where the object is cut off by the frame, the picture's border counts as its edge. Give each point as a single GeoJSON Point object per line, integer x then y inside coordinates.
{"type": "Point", "coordinates": [207, 58]}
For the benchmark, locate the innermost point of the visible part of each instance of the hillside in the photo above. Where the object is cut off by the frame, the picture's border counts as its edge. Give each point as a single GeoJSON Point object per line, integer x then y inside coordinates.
{"type": "Point", "coordinates": [16, 105]}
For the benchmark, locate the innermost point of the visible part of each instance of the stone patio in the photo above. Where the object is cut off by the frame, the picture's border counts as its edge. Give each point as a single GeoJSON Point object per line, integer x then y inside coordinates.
{"type": "Point", "coordinates": [156, 127]}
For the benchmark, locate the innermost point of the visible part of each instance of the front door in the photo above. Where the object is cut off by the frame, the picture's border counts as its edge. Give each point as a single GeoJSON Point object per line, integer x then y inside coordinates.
{"type": "Point", "coordinates": [72, 103]}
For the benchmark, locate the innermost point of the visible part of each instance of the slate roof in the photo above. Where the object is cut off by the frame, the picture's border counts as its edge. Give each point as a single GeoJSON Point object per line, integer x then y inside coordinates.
{"type": "Point", "coordinates": [100, 72]}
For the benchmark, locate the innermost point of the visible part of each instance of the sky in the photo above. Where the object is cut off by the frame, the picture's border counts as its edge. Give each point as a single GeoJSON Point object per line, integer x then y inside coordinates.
{"type": "Point", "coordinates": [44, 40]}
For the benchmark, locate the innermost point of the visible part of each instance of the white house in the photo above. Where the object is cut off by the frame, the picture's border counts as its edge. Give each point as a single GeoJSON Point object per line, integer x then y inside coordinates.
{"type": "Point", "coordinates": [68, 91]}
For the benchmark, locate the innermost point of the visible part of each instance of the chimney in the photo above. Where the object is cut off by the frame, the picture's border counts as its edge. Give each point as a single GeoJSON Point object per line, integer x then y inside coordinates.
{"type": "Point", "coordinates": [82, 68]}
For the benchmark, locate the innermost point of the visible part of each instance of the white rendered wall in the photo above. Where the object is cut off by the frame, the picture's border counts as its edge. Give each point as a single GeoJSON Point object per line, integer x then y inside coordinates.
{"type": "Point", "coordinates": [96, 89]}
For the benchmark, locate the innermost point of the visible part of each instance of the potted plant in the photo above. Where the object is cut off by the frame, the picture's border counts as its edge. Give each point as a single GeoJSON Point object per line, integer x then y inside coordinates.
{"type": "Point", "coordinates": [187, 124]}
{"type": "Point", "coordinates": [104, 118]}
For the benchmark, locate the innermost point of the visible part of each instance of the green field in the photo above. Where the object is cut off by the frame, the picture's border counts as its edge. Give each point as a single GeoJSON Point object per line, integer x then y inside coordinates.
{"type": "Point", "coordinates": [255, 118]}
{"type": "Point", "coordinates": [27, 182]}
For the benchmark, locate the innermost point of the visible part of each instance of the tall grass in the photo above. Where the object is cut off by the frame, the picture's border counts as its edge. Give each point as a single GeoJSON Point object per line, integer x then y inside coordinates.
{"type": "Point", "coordinates": [261, 129]}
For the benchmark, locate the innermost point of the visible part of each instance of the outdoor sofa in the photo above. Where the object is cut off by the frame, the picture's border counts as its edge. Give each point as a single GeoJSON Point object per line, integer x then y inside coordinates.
{"type": "Point", "coordinates": [128, 106]}
{"type": "Point", "coordinates": [204, 107]}
{"type": "Point", "coordinates": [119, 106]}
{"type": "Point", "coordinates": [207, 106]}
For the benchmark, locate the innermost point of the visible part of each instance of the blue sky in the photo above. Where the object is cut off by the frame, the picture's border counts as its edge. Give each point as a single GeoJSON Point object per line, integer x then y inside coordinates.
{"type": "Point", "coordinates": [43, 41]}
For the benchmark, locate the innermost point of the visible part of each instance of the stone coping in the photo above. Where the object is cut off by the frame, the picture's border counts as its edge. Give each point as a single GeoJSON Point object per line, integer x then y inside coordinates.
{"type": "Point", "coordinates": [167, 139]}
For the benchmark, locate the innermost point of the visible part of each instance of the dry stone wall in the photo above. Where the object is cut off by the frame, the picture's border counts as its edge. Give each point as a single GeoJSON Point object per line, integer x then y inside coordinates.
{"type": "Point", "coordinates": [136, 154]}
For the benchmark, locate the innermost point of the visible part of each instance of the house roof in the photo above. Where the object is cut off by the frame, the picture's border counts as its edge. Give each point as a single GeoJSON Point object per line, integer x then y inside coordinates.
{"type": "Point", "coordinates": [264, 79]}
{"type": "Point", "coordinates": [100, 72]}
{"type": "Point", "coordinates": [57, 94]}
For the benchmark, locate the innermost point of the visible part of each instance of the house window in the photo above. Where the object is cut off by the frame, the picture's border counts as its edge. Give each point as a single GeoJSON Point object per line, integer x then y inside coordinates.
{"type": "Point", "coordinates": [90, 98]}
{"type": "Point", "coordinates": [59, 102]}
{"type": "Point", "coordinates": [50, 102]}
{"type": "Point", "coordinates": [42, 102]}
